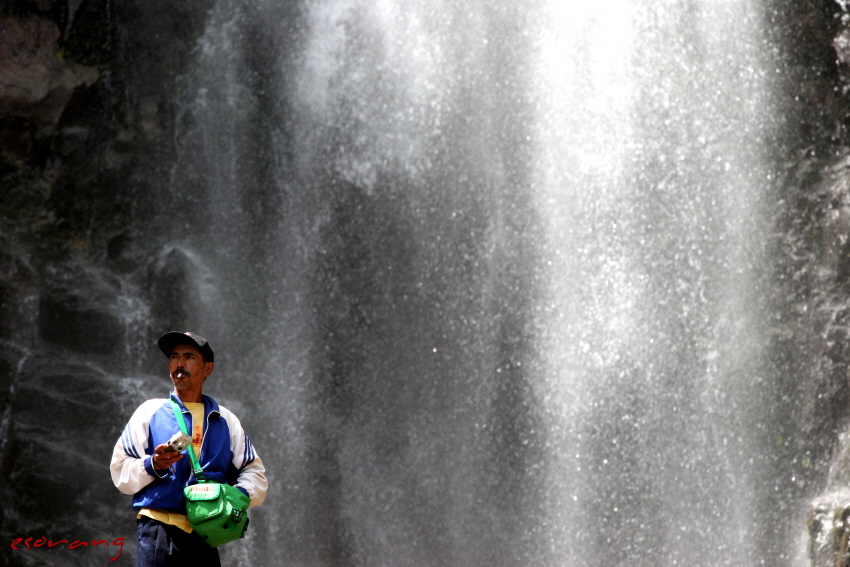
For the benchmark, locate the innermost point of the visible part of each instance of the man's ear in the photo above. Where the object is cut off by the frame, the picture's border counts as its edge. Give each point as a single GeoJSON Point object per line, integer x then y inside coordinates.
{"type": "Point", "coordinates": [208, 369]}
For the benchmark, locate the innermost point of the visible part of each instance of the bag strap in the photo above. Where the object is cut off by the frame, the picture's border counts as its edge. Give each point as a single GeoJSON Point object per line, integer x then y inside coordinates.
{"type": "Point", "coordinates": [196, 466]}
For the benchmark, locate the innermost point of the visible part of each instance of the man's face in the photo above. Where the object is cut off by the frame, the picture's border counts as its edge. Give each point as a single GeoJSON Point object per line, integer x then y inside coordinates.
{"type": "Point", "coordinates": [187, 367]}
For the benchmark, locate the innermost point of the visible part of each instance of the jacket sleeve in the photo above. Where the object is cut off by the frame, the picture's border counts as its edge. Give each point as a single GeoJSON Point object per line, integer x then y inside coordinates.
{"type": "Point", "coordinates": [252, 473]}
{"type": "Point", "coordinates": [131, 464]}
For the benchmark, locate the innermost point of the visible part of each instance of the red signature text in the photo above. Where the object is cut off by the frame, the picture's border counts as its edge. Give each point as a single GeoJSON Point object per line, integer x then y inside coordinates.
{"type": "Point", "coordinates": [22, 544]}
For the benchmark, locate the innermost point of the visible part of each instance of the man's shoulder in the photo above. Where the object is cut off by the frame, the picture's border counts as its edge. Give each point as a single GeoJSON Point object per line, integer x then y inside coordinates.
{"type": "Point", "coordinates": [216, 407]}
{"type": "Point", "coordinates": [153, 402]}
{"type": "Point", "coordinates": [149, 407]}
{"type": "Point", "coordinates": [228, 416]}
{"type": "Point", "coordinates": [225, 412]}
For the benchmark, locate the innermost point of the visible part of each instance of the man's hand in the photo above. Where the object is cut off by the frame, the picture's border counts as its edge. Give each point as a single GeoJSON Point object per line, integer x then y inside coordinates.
{"type": "Point", "coordinates": [163, 459]}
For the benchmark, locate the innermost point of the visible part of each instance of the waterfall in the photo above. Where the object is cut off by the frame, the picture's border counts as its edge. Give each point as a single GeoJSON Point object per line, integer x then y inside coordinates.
{"type": "Point", "coordinates": [653, 172]}
{"type": "Point", "coordinates": [488, 283]}
{"type": "Point", "coordinates": [489, 277]}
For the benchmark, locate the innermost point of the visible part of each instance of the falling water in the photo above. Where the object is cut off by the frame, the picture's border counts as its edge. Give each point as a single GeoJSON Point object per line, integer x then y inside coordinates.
{"type": "Point", "coordinates": [651, 168]}
{"type": "Point", "coordinates": [489, 276]}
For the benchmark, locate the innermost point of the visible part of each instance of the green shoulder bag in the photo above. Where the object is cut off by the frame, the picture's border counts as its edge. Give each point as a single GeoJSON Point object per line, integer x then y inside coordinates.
{"type": "Point", "coordinates": [218, 512]}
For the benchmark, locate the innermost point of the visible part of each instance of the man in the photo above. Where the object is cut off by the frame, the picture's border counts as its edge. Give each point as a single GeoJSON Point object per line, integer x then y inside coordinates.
{"type": "Point", "coordinates": [142, 467]}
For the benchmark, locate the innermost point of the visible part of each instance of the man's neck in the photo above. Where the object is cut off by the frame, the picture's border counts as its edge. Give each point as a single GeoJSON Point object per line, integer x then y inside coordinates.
{"type": "Point", "coordinates": [189, 396]}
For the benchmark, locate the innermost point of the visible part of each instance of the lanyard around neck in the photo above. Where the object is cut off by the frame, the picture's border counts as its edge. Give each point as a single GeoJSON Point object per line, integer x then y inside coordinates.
{"type": "Point", "coordinates": [196, 466]}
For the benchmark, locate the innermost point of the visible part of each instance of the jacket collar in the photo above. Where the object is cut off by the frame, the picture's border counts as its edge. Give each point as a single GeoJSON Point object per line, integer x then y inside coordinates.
{"type": "Point", "coordinates": [210, 405]}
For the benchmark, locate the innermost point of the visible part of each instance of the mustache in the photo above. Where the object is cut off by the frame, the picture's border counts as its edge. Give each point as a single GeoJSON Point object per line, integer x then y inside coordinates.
{"type": "Point", "coordinates": [180, 372]}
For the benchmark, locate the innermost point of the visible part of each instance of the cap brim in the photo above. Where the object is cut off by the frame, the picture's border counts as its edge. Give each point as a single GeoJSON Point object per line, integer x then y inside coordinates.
{"type": "Point", "coordinates": [168, 341]}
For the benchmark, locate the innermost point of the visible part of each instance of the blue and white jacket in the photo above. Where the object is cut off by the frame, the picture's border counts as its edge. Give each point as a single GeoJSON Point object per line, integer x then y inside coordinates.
{"type": "Point", "coordinates": [227, 456]}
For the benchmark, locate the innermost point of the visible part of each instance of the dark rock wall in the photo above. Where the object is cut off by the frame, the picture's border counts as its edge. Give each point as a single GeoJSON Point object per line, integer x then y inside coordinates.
{"type": "Point", "coordinates": [86, 122]}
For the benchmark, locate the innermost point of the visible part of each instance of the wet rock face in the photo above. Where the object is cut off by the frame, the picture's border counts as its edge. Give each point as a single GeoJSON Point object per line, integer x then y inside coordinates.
{"type": "Point", "coordinates": [87, 93]}
{"type": "Point", "coordinates": [67, 393]}
{"type": "Point", "coordinates": [68, 413]}
{"type": "Point", "coordinates": [173, 295]}
{"type": "Point", "coordinates": [84, 115]}
{"type": "Point", "coordinates": [35, 82]}
{"type": "Point", "coordinates": [828, 521]}
{"type": "Point", "coordinates": [822, 213]}
{"type": "Point", "coordinates": [828, 530]}
{"type": "Point", "coordinates": [71, 316]}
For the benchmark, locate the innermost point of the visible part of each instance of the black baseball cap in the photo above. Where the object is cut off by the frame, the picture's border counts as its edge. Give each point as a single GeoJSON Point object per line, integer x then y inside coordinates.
{"type": "Point", "coordinates": [168, 341]}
